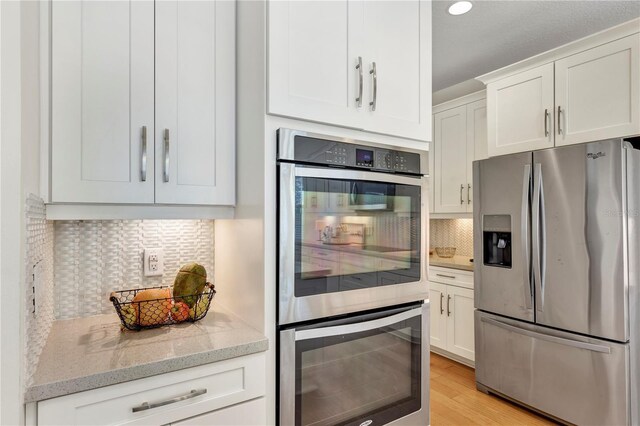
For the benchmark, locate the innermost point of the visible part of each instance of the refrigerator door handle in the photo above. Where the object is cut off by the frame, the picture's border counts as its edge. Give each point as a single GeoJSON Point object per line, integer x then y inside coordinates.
{"type": "Point", "coordinates": [554, 339]}
{"type": "Point", "coordinates": [537, 232]}
{"type": "Point", "coordinates": [524, 218]}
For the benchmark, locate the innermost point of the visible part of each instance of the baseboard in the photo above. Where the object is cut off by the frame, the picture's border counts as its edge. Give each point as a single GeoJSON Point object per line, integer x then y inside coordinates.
{"type": "Point", "coordinates": [454, 357]}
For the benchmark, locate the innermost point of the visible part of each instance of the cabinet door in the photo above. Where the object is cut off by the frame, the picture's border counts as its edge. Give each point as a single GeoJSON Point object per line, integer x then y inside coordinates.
{"type": "Point", "coordinates": [476, 142]}
{"type": "Point", "coordinates": [450, 176]}
{"type": "Point", "coordinates": [398, 41]}
{"type": "Point", "coordinates": [516, 107]}
{"type": "Point", "coordinates": [432, 161]}
{"type": "Point", "coordinates": [460, 326]}
{"type": "Point", "coordinates": [438, 316]}
{"type": "Point", "coordinates": [597, 93]}
{"type": "Point", "coordinates": [101, 99]}
{"type": "Point", "coordinates": [313, 53]}
{"type": "Point", "coordinates": [246, 414]}
{"type": "Point", "coordinates": [195, 102]}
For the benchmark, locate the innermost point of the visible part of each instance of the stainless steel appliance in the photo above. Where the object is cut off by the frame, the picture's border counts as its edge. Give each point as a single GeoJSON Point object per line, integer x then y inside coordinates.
{"type": "Point", "coordinates": [370, 369]}
{"type": "Point", "coordinates": [557, 291]}
{"type": "Point", "coordinates": [353, 331]}
{"type": "Point", "coordinates": [352, 226]}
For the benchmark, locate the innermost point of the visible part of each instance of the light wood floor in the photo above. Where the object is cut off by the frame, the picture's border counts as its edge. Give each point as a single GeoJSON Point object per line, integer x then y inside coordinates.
{"type": "Point", "coordinates": [455, 400]}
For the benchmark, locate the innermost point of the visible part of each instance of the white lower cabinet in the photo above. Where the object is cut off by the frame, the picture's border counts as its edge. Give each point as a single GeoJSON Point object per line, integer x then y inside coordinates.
{"type": "Point", "coordinates": [452, 321]}
{"type": "Point", "coordinates": [174, 397]}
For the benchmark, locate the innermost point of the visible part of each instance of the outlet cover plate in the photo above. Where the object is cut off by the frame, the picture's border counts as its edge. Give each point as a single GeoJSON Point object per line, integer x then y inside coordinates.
{"type": "Point", "coordinates": [153, 260]}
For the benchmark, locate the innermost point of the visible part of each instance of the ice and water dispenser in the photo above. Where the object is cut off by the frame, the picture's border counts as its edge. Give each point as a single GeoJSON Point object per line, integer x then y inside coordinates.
{"type": "Point", "coordinates": [496, 235]}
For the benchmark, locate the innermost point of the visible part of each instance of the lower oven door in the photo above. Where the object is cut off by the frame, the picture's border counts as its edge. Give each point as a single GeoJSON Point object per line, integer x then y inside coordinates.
{"type": "Point", "coordinates": [363, 370]}
{"type": "Point", "coordinates": [337, 257]}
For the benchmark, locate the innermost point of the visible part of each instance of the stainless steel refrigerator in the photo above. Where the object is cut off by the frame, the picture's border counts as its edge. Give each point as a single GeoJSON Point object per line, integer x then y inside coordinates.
{"type": "Point", "coordinates": [557, 292]}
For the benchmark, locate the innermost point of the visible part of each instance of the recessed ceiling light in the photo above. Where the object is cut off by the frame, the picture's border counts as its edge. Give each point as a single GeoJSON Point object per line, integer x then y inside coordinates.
{"type": "Point", "coordinates": [460, 7]}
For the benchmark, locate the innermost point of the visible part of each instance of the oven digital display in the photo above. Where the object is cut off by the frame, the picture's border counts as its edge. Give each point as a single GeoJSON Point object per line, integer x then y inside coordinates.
{"type": "Point", "coordinates": [364, 157]}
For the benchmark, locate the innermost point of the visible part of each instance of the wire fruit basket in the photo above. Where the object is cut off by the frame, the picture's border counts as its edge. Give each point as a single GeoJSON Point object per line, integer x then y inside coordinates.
{"type": "Point", "coordinates": [153, 313]}
{"type": "Point", "coordinates": [446, 252]}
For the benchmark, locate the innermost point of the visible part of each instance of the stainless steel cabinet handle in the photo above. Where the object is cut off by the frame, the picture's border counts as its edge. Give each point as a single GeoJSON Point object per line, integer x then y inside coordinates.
{"type": "Point", "coordinates": [374, 74]}
{"type": "Point", "coordinates": [524, 218]}
{"type": "Point", "coordinates": [441, 306]}
{"type": "Point", "coordinates": [461, 189]}
{"type": "Point", "coordinates": [166, 155]}
{"type": "Point", "coordinates": [360, 78]}
{"type": "Point", "coordinates": [559, 119]}
{"type": "Point", "coordinates": [468, 193]}
{"type": "Point", "coordinates": [546, 122]}
{"type": "Point", "coordinates": [143, 157]}
{"type": "Point", "coordinates": [448, 302]}
{"type": "Point", "coordinates": [146, 406]}
{"type": "Point", "coordinates": [446, 276]}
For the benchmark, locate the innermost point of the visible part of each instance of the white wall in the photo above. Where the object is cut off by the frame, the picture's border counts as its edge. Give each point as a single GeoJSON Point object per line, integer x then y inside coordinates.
{"type": "Point", "coordinates": [11, 207]}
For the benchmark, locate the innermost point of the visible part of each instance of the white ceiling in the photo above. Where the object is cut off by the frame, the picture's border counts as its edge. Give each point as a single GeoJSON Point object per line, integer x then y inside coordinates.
{"type": "Point", "coordinates": [498, 33]}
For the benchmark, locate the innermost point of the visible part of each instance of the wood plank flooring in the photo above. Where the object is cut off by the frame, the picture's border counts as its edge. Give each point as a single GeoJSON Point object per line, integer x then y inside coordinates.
{"type": "Point", "coordinates": [455, 400]}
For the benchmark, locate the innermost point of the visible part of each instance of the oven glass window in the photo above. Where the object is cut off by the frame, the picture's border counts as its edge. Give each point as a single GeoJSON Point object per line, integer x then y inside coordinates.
{"type": "Point", "coordinates": [351, 378]}
{"type": "Point", "coordinates": [355, 234]}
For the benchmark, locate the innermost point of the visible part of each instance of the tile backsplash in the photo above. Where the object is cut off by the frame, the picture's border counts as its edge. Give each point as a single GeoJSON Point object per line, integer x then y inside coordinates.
{"type": "Point", "coordinates": [456, 233]}
{"type": "Point", "coordinates": [95, 257]}
{"type": "Point", "coordinates": [39, 299]}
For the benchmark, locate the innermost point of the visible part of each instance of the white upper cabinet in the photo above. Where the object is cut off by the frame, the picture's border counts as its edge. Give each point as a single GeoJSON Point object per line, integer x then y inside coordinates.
{"type": "Point", "coordinates": [520, 112]}
{"type": "Point", "coordinates": [313, 55]}
{"type": "Point", "coordinates": [460, 138]}
{"type": "Point", "coordinates": [584, 91]}
{"type": "Point", "coordinates": [143, 102]}
{"type": "Point", "coordinates": [195, 102]}
{"type": "Point", "coordinates": [101, 100]}
{"type": "Point", "coordinates": [398, 67]}
{"type": "Point", "coordinates": [476, 142]}
{"type": "Point", "coordinates": [450, 174]}
{"type": "Point", "coordinates": [597, 93]}
{"type": "Point", "coordinates": [338, 62]}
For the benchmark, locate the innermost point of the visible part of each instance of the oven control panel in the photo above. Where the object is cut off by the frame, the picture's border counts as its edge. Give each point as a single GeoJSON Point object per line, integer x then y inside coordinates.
{"type": "Point", "coordinates": [327, 152]}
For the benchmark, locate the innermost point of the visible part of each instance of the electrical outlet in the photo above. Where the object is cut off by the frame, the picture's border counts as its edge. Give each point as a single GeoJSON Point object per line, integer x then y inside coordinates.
{"type": "Point", "coordinates": [153, 262]}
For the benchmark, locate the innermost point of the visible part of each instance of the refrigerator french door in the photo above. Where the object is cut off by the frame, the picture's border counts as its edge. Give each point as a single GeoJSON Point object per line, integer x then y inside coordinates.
{"type": "Point", "coordinates": [556, 291]}
{"type": "Point", "coordinates": [369, 369]}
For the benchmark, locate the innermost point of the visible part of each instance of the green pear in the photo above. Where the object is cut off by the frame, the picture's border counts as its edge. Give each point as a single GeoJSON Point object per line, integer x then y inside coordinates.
{"type": "Point", "coordinates": [189, 283]}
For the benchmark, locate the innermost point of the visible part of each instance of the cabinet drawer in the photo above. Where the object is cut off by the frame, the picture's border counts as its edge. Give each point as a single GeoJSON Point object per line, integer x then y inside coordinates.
{"type": "Point", "coordinates": [253, 412]}
{"type": "Point", "coordinates": [451, 276]}
{"type": "Point", "coordinates": [216, 386]}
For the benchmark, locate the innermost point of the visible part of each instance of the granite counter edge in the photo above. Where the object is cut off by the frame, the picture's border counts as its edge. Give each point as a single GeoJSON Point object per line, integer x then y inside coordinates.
{"type": "Point", "coordinates": [44, 391]}
{"type": "Point", "coordinates": [468, 268]}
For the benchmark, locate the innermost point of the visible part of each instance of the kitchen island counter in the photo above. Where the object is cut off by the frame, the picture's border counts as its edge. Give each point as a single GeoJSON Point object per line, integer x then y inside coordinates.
{"type": "Point", "coordinates": [92, 352]}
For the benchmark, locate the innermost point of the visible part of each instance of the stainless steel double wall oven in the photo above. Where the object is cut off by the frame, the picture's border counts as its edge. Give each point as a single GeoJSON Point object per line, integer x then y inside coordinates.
{"type": "Point", "coordinates": [353, 325]}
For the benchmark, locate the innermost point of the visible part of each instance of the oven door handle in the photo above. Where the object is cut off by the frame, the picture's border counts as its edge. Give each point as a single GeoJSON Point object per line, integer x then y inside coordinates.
{"type": "Point", "coordinates": [359, 327]}
{"type": "Point", "coordinates": [335, 173]}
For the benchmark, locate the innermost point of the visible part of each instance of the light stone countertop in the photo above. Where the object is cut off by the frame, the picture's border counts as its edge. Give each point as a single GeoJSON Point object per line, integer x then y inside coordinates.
{"type": "Point", "coordinates": [456, 262]}
{"type": "Point", "coordinates": [92, 352]}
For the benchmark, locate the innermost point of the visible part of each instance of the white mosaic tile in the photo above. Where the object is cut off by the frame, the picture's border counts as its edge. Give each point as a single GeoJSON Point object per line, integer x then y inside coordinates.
{"type": "Point", "coordinates": [94, 258]}
{"type": "Point", "coordinates": [456, 233]}
{"type": "Point", "coordinates": [39, 296]}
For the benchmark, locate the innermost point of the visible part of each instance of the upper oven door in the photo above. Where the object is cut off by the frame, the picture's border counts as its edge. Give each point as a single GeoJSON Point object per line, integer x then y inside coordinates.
{"type": "Point", "coordinates": [348, 241]}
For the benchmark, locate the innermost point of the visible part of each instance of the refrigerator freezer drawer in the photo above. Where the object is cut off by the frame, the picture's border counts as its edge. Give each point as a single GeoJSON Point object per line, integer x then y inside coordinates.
{"type": "Point", "coordinates": [574, 378]}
